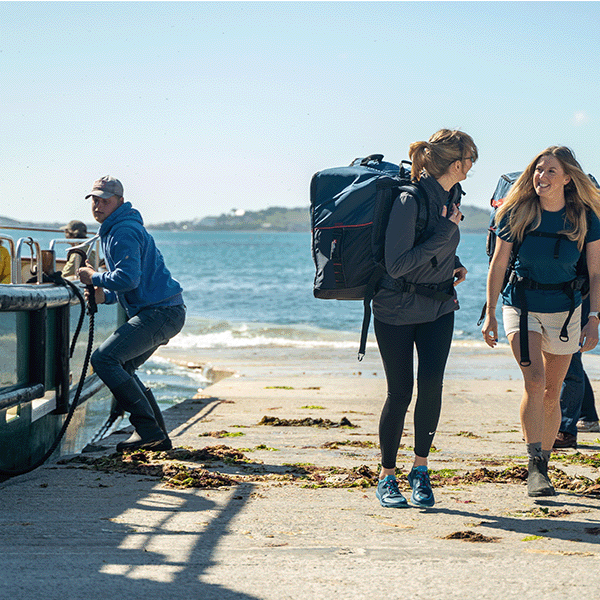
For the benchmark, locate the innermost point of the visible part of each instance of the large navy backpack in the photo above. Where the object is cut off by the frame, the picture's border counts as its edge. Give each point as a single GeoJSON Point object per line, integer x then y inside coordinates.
{"type": "Point", "coordinates": [349, 209]}
{"type": "Point", "coordinates": [505, 182]}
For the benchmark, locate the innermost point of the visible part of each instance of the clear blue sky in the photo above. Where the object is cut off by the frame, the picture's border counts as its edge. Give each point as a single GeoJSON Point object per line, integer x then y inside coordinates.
{"type": "Point", "coordinates": [203, 107]}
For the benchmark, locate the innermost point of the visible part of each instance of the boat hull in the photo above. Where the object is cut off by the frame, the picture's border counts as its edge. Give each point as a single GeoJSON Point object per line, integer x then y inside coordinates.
{"type": "Point", "coordinates": [39, 378]}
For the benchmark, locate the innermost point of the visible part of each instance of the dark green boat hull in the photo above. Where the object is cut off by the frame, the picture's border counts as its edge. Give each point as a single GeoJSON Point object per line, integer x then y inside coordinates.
{"type": "Point", "coordinates": [38, 378]}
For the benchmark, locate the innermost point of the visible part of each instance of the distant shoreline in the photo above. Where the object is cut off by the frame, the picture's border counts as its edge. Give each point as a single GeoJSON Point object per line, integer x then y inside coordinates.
{"type": "Point", "coordinates": [275, 219]}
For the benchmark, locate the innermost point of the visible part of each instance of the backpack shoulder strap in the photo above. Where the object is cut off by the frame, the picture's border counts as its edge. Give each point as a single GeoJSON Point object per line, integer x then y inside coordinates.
{"type": "Point", "coordinates": [392, 188]}
{"type": "Point", "coordinates": [418, 193]}
{"type": "Point", "coordinates": [388, 189]}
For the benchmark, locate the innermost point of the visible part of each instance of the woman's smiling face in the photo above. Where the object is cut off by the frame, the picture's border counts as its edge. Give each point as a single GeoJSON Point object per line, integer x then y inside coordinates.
{"type": "Point", "coordinates": [549, 178]}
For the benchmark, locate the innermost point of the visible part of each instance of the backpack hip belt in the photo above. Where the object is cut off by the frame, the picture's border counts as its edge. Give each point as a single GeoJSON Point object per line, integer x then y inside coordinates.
{"type": "Point", "coordinates": [442, 292]}
{"type": "Point", "coordinates": [524, 283]}
{"type": "Point", "coordinates": [530, 284]}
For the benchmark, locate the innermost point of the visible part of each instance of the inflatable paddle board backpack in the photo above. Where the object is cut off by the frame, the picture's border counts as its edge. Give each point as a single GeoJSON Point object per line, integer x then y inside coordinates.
{"type": "Point", "coordinates": [349, 210]}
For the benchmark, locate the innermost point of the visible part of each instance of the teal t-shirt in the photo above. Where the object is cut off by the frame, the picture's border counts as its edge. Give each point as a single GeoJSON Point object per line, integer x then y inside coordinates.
{"type": "Point", "coordinates": [536, 261]}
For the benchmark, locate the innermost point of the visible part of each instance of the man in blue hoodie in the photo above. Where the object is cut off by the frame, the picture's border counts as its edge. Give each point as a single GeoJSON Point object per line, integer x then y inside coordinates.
{"type": "Point", "coordinates": [138, 279]}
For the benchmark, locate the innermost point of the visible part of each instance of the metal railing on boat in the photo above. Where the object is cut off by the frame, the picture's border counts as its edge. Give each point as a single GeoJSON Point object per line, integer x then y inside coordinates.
{"type": "Point", "coordinates": [84, 244]}
{"type": "Point", "coordinates": [45, 260]}
{"type": "Point", "coordinates": [33, 245]}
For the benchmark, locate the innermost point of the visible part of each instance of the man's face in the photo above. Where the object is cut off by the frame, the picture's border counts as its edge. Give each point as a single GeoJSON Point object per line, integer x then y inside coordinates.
{"type": "Point", "coordinates": [104, 207]}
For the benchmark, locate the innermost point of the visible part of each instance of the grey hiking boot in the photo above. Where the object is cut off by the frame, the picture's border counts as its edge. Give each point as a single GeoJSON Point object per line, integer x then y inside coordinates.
{"type": "Point", "coordinates": [588, 426]}
{"type": "Point", "coordinates": [538, 482]}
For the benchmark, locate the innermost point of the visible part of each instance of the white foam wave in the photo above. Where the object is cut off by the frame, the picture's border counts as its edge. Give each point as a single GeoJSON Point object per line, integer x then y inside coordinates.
{"type": "Point", "coordinates": [231, 339]}
{"type": "Point", "coordinates": [476, 344]}
{"type": "Point", "coordinates": [159, 366]}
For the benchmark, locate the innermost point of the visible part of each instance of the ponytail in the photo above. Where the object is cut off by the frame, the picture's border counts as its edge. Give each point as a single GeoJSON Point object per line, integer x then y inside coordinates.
{"type": "Point", "coordinates": [443, 149]}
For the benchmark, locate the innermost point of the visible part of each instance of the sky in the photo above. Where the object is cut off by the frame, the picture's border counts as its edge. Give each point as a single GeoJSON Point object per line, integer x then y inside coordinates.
{"type": "Point", "coordinates": [204, 107]}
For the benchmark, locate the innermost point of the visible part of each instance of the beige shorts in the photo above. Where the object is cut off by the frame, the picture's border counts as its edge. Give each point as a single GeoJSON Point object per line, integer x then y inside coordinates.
{"type": "Point", "coordinates": [549, 325]}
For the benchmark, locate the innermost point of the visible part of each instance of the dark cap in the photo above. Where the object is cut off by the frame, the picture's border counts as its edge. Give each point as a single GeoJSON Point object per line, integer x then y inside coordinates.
{"type": "Point", "coordinates": [106, 187]}
{"type": "Point", "coordinates": [77, 228]}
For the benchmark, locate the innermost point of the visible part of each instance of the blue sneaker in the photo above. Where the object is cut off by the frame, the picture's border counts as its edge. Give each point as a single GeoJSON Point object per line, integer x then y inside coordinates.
{"type": "Point", "coordinates": [388, 493]}
{"type": "Point", "coordinates": [422, 494]}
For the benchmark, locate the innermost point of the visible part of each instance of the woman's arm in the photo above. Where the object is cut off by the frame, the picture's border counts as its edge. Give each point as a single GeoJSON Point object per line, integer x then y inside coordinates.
{"type": "Point", "coordinates": [460, 271]}
{"type": "Point", "coordinates": [401, 255]}
{"type": "Point", "coordinates": [495, 280]}
{"type": "Point", "coordinates": [589, 333]}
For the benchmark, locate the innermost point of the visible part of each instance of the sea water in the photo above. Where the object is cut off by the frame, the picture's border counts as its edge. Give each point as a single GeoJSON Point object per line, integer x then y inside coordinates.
{"type": "Point", "coordinates": [254, 290]}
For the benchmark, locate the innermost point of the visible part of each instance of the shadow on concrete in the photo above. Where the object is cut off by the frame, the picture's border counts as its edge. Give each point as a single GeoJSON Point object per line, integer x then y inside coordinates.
{"type": "Point", "coordinates": [69, 534]}
{"type": "Point", "coordinates": [78, 534]}
{"type": "Point", "coordinates": [539, 525]}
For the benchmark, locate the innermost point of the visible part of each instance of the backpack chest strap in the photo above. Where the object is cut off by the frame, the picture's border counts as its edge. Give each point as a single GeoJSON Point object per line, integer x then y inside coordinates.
{"type": "Point", "coordinates": [546, 234]}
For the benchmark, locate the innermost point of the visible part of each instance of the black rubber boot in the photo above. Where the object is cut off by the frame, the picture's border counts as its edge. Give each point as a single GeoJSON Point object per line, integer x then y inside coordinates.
{"type": "Point", "coordinates": [157, 413]}
{"type": "Point", "coordinates": [155, 408]}
{"type": "Point", "coordinates": [538, 482]}
{"type": "Point", "coordinates": [148, 435]}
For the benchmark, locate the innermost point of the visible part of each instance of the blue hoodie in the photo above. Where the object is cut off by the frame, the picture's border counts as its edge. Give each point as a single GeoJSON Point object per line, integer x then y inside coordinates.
{"type": "Point", "coordinates": [137, 275]}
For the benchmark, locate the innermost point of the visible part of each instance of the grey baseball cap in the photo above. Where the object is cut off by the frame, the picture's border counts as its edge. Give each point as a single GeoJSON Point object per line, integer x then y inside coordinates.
{"type": "Point", "coordinates": [105, 187]}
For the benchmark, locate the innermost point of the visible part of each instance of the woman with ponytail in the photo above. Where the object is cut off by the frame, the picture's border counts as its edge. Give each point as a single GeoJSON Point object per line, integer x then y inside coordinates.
{"type": "Point", "coordinates": [415, 306]}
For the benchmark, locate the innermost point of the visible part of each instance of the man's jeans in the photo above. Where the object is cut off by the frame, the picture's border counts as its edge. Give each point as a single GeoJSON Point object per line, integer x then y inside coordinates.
{"type": "Point", "coordinates": [571, 395]}
{"type": "Point", "coordinates": [576, 395]}
{"type": "Point", "coordinates": [132, 344]}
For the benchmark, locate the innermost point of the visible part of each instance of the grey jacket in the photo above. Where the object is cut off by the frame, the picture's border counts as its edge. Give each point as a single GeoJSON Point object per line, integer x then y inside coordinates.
{"type": "Point", "coordinates": [414, 263]}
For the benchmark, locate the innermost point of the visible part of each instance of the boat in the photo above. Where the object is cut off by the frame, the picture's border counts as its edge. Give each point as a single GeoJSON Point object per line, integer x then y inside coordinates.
{"type": "Point", "coordinates": [51, 404]}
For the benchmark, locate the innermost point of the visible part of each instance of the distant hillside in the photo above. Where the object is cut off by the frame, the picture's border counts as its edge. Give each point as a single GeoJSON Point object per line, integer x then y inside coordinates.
{"type": "Point", "coordinates": [6, 222]}
{"type": "Point", "coordinates": [290, 219]}
{"type": "Point", "coordinates": [476, 219]}
{"type": "Point", "coordinates": [274, 219]}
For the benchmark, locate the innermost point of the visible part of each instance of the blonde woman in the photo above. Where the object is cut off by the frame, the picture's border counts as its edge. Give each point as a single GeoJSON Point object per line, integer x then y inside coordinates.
{"type": "Point", "coordinates": [549, 218]}
{"type": "Point", "coordinates": [415, 307]}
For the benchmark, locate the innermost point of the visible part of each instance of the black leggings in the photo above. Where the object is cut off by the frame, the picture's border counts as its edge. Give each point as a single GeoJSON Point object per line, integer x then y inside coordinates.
{"type": "Point", "coordinates": [396, 345]}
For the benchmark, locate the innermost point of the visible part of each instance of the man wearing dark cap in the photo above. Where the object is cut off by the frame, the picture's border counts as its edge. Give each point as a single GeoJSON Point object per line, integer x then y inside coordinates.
{"type": "Point", "coordinates": [75, 230]}
{"type": "Point", "coordinates": [138, 279]}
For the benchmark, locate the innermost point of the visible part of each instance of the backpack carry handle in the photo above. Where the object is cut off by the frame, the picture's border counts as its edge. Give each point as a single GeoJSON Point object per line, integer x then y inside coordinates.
{"type": "Point", "coordinates": [405, 168]}
{"type": "Point", "coordinates": [377, 158]}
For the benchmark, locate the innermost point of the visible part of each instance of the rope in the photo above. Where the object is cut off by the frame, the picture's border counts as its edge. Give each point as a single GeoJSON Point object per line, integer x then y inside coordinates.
{"type": "Point", "coordinates": [115, 413]}
{"type": "Point", "coordinates": [92, 309]}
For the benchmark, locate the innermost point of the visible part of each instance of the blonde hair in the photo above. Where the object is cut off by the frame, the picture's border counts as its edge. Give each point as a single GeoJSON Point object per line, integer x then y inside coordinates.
{"type": "Point", "coordinates": [522, 204]}
{"type": "Point", "coordinates": [444, 148]}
